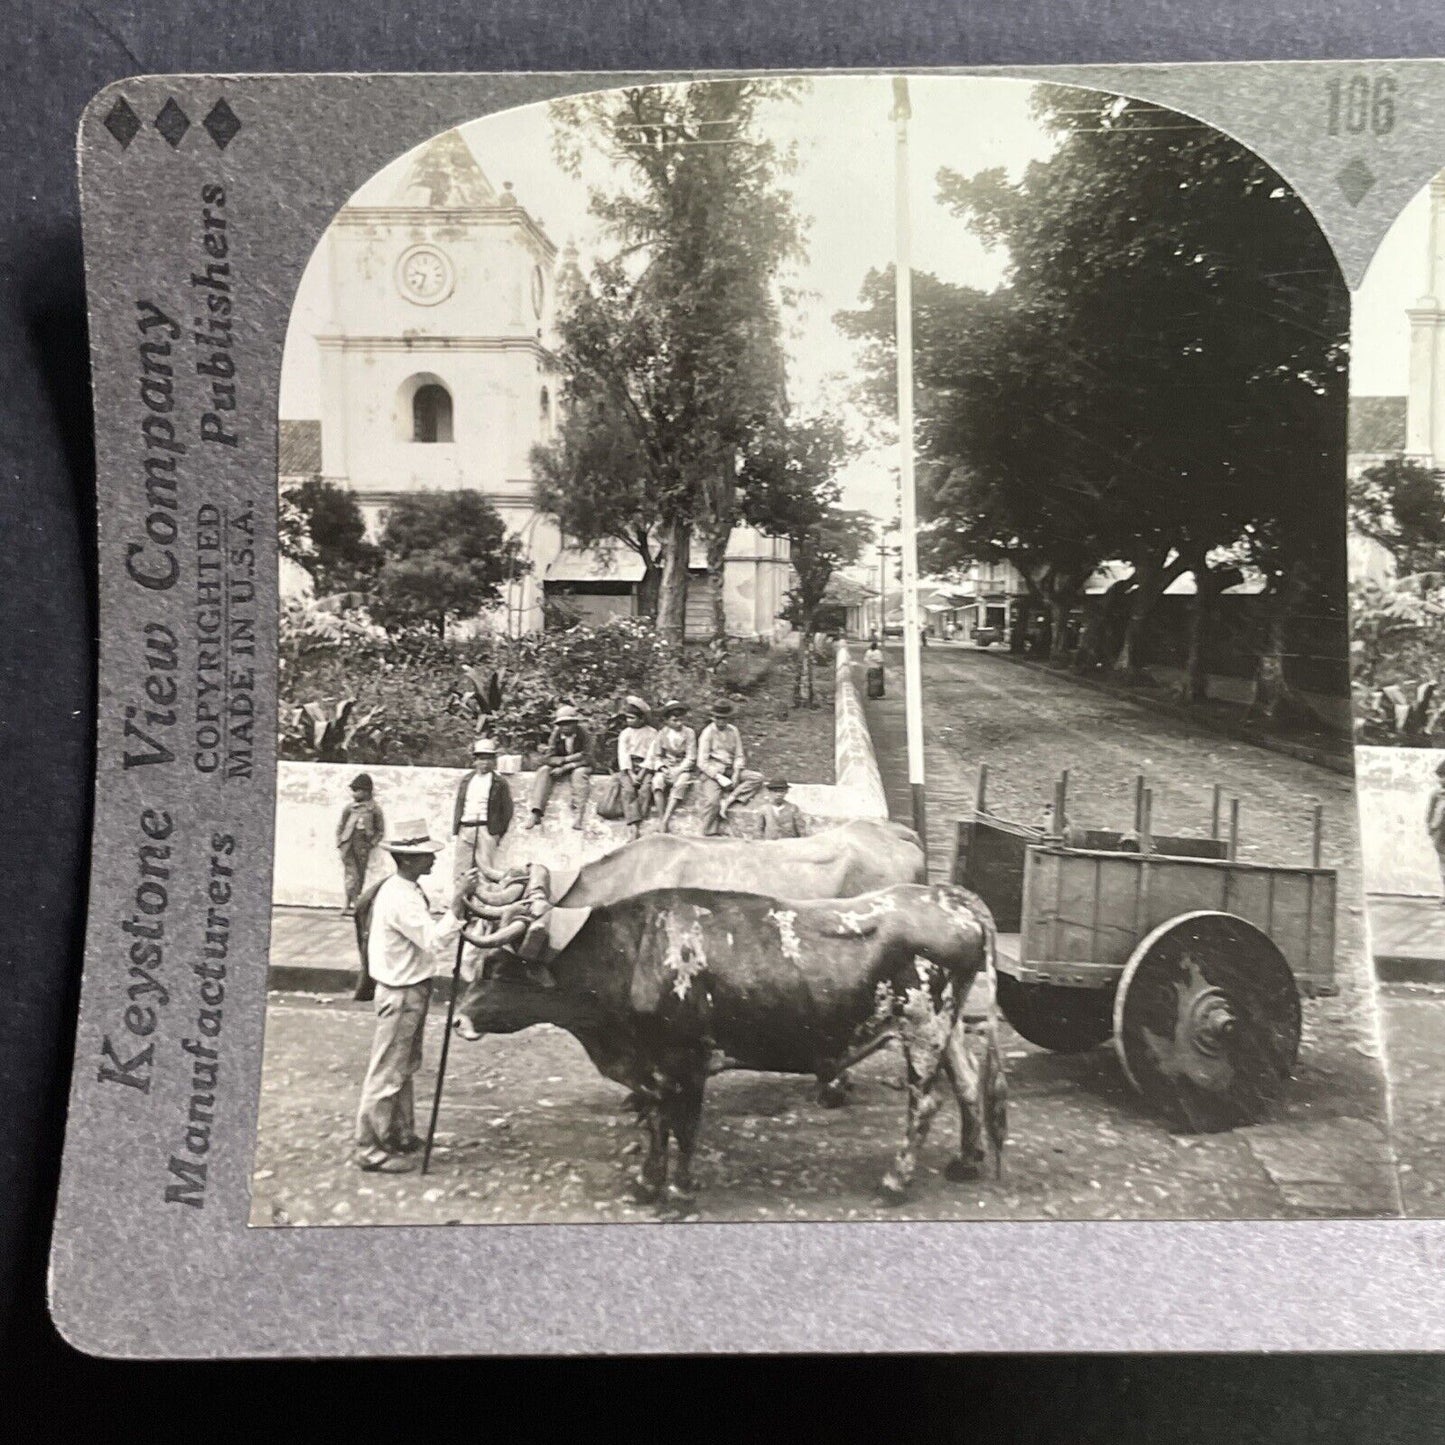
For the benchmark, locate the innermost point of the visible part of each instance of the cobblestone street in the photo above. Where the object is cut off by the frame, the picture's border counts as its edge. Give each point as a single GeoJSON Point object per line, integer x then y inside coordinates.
{"type": "Point", "coordinates": [530, 1132]}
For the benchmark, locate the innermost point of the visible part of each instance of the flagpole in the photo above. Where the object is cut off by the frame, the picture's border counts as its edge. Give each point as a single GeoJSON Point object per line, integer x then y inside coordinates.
{"type": "Point", "coordinates": [912, 655]}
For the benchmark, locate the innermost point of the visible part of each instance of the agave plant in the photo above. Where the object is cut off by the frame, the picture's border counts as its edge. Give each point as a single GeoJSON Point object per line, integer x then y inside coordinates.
{"type": "Point", "coordinates": [479, 696]}
{"type": "Point", "coordinates": [325, 732]}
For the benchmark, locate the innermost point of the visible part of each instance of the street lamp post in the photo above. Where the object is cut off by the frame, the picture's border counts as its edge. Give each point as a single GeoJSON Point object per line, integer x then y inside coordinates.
{"type": "Point", "coordinates": [912, 659]}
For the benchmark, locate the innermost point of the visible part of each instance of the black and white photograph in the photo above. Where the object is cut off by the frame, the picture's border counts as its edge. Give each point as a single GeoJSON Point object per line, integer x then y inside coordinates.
{"type": "Point", "coordinates": [814, 670]}
{"type": "Point", "coordinates": [1397, 591]}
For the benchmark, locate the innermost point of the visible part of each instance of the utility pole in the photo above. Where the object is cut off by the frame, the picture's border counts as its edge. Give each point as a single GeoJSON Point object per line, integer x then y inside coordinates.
{"type": "Point", "coordinates": [912, 658]}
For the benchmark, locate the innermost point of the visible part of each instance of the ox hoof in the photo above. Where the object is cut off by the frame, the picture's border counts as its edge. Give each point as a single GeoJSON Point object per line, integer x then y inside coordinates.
{"type": "Point", "coordinates": [960, 1171]}
{"type": "Point", "coordinates": [463, 1026]}
{"type": "Point", "coordinates": [833, 1094]}
{"type": "Point", "coordinates": [645, 1193]}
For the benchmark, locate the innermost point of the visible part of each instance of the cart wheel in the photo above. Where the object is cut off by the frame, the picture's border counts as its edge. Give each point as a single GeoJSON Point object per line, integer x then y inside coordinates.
{"type": "Point", "coordinates": [1207, 1021]}
{"type": "Point", "coordinates": [1066, 1020]}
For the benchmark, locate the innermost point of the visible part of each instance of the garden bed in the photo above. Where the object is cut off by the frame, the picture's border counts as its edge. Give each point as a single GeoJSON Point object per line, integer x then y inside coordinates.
{"type": "Point", "coordinates": [414, 700]}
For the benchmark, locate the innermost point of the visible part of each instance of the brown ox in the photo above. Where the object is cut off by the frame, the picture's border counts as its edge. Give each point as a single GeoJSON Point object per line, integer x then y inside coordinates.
{"type": "Point", "coordinates": [664, 988]}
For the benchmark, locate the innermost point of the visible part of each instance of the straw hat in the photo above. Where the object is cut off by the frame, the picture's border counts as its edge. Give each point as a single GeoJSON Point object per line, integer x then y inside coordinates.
{"type": "Point", "coordinates": [636, 706]}
{"type": "Point", "coordinates": [413, 836]}
{"type": "Point", "coordinates": [673, 705]}
{"type": "Point", "coordinates": [484, 748]}
{"type": "Point", "coordinates": [567, 713]}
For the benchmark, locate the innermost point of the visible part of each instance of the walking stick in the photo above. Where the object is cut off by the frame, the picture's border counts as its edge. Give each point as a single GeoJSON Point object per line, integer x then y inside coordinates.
{"type": "Point", "coordinates": [436, 1102]}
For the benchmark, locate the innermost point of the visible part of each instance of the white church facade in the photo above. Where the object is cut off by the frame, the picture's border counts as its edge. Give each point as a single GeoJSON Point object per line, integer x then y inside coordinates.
{"type": "Point", "coordinates": [435, 374]}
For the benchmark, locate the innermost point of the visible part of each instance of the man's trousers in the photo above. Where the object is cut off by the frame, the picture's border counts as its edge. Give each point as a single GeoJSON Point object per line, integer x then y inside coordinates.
{"type": "Point", "coordinates": [386, 1118]}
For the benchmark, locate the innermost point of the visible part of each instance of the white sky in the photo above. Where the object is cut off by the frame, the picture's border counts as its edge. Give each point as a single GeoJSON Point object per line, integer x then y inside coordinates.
{"type": "Point", "coordinates": [843, 187]}
{"type": "Point", "coordinates": [1380, 341]}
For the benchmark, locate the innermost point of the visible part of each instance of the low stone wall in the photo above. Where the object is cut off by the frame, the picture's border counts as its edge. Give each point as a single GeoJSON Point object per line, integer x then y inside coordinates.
{"type": "Point", "coordinates": [310, 797]}
{"type": "Point", "coordinates": [1392, 788]}
{"type": "Point", "coordinates": [855, 766]}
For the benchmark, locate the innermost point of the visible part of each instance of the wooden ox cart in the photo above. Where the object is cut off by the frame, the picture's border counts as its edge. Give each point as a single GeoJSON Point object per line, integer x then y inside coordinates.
{"type": "Point", "coordinates": [1192, 960]}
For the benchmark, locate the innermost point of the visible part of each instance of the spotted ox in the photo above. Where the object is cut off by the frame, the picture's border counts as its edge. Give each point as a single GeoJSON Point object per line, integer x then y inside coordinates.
{"type": "Point", "coordinates": [840, 862]}
{"type": "Point", "coordinates": [670, 986]}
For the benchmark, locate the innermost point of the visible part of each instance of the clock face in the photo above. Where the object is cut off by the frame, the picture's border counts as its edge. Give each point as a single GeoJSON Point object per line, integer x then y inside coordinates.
{"type": "Point", "coordinates": [424, 275]}
{"type": "Point", "coordinates": [538, 291]}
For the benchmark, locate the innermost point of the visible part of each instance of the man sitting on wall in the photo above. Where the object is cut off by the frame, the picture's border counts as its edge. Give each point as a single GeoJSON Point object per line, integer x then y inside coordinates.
{"type": "Point", "coordinates": [634, 744]}
{"type": "Point", "coordinates": [722, 761]}
{"type": "Point", "coordinates": [483, 812]}
{"type": "Point", "coordinates": [567, 755]}
{"type": "Point", "coordinates": [672, 760]}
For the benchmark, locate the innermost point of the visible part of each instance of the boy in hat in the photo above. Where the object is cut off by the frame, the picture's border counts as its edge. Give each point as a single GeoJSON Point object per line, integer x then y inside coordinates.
{"type": "Point", "coordinates": [781, 819]}
{"type": "Point", "coordinates": [567, 755]}
{"type": "Point", "coordinates": [401, 957]}
{"type": "Point", "coordinates": [360, 829]}
{"type": "Point", "coordinates": [1435, 821]}
{"type": "Point", "coordinates": [722, 761]}
{"type": "Point", "coordinates": [482, 812]}
{"type": "Point", "coordinates": [672, 760]}
{"type": "Point", "coordinates": [634, 745]}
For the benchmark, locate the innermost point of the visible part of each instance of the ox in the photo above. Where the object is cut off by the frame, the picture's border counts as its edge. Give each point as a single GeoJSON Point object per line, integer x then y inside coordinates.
{"type": "Point", "coordinates": [667, 987]}
{"type": "Point", "coordinates": [839, 862]}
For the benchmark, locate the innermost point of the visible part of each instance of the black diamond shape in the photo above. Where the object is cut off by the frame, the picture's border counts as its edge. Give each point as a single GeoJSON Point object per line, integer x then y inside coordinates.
{"type": "Point", "coordinates": [122, 122]}
{"type": "Point", "coordinates": [1356, 180]}
{"type": "Point", "coordinates": [172, 123]}
{"type": "Point", "coordinates": [221, 124]}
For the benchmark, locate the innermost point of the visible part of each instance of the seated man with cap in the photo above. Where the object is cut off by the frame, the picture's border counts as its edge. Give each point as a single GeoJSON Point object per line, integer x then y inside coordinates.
{"type": "Point", "coordinates": [483, 811]}
{"type": "Point", "coordinates": [722, 761]}
{"type": "Point", "coordinates": [780, 818]}
{"type": "Point", "coordinates": [567, 755]}
{"type": "Point", "coordinates": [401, 955]}
{"type": "Point", "coordinates": [672, 759]}
{"type": "Point", "coordinates": [634, 744]}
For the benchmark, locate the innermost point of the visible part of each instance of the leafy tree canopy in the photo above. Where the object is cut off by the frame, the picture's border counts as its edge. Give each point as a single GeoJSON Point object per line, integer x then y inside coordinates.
{"type": "Point", "coordinates": [447, 555]}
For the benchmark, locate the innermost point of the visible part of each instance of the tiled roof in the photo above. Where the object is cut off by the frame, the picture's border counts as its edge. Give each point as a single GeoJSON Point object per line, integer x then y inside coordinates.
{"type": "Point", "coordinates": [1377, 424]}
{"type": "Point", "coordinates": [844, 592]}
{"type": "Point", "coordinates": [300, 449]}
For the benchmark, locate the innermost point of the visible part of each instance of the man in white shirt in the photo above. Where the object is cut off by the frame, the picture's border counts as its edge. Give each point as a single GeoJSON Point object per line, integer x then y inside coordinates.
{"type": "Point", "coordinates": [722, 761]}
{"type": "Point", "coordinates": [482, 813]}
{"type": "Point", "coordinates": [401, 954]}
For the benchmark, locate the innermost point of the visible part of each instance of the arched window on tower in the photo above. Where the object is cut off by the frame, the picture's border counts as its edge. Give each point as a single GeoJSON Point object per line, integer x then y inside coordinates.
{"type": "Point", "coordinates": [431, 413]}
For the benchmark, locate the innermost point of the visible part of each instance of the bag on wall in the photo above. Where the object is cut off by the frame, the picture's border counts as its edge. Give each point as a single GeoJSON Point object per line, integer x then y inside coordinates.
{"type": "Point", "coordinates": [609, 801]}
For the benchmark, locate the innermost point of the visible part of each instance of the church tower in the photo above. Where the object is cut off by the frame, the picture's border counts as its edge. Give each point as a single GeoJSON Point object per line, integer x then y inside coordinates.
{"type": "Point", "coordinates": [1425, 409]}
{"type": "Point", "coordinates": [434, 369]}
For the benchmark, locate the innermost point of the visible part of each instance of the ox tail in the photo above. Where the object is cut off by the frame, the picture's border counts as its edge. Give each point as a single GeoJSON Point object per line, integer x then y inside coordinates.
{"type": "Point", "coordinates": [993, 1078]}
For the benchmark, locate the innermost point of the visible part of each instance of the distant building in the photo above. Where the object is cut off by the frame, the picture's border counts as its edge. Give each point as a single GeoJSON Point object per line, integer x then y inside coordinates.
{"type": "Point", "coordinates": [982, 596]}
{"type": "Point", "coordinates": [435, 374]}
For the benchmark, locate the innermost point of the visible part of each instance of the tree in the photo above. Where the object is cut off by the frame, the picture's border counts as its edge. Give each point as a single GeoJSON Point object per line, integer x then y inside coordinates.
{"type": "Point", "coordinates": [790, 490]}
{"type": "Point", "coordinates": [446, 556]}
{"type": "Point", "coordinates": [340, 557]}
{"type": "Point", "coordinates": [1162, 372]}
{"type": "Point", "coordinates": [1401, 503]}
{"type": "Point", "coordinates": [594, 480]}
{"type": "Point", "coordinates": [678, 328]}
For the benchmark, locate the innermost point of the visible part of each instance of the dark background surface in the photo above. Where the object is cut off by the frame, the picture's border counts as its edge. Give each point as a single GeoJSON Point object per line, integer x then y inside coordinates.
{"type": "Point", "coordinates": [55, 55]}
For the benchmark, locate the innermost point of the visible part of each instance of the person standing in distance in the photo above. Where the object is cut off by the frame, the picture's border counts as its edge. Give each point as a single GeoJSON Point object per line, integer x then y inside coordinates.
{"type": "Point", "coordinates": [1435, 823]}
{"type": "Point", "coordinates": [482, 814]}
{"type": "Point", "coordinates": [359, 830]}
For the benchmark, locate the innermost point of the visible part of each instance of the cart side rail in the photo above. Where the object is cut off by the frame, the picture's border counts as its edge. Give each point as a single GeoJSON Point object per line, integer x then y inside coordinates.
{"type": "Point", "coordinates": [1084, 910]}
